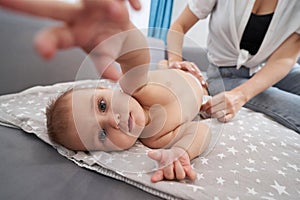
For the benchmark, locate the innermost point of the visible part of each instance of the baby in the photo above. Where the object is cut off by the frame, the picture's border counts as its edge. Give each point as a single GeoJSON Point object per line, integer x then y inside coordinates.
{"type": "Point", "coordinates": [155, 107]}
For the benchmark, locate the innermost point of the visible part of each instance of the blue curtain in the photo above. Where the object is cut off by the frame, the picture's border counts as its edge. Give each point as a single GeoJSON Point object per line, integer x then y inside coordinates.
{"type": "Point", "coordinates": [160, 18]}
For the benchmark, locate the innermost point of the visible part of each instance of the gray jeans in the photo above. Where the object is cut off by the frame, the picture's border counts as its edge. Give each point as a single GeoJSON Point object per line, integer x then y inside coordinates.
{"type": "Point", "coordinates": [281, 102]}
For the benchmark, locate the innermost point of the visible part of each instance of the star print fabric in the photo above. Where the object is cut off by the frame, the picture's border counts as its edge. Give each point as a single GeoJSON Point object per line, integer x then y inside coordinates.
{"type": "Point", "coordinates": [251, 157]}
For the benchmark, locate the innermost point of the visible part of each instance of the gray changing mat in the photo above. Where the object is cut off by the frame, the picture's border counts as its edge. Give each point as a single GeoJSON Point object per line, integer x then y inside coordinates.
{"type": "Point", "coordinates": [251, 157]}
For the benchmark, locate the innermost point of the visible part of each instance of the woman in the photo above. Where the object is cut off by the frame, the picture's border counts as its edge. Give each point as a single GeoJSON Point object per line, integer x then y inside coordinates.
{"type": "Point", "coordinates": [253, 47]}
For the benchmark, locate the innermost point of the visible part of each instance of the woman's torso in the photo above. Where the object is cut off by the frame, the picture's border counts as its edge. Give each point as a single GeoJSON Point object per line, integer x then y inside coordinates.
{"type": "Point", "coordinates": [228, 20]}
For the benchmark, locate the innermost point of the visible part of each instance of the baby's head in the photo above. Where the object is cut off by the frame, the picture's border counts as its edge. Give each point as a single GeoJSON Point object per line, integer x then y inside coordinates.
{"type": "Point", "coordinates": [95, 119]}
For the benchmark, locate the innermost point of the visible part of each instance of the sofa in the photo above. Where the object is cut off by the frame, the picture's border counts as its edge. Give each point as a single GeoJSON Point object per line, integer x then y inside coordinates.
{"type": "Point", "coordinates": [33, 169]}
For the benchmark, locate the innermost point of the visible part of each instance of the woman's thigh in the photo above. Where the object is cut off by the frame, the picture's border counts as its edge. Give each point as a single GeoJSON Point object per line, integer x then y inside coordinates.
{"type": "Point", "coordinates": [225, 79]}
{"type": "Point", "coordinates": [282, 106]}
{"type": "Point", "coordinates": [291, 83]}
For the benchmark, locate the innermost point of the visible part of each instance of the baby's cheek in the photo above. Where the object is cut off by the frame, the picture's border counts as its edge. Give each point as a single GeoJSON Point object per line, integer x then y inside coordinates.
{"type": "Point", "coordinates": [124, 141]}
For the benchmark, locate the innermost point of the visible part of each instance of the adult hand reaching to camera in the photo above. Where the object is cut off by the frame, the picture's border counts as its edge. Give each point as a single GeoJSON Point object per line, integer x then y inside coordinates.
{"type": "Point", "coordinates": [224, 106]}
{"type": "Point", "coordinates": [86, 24]}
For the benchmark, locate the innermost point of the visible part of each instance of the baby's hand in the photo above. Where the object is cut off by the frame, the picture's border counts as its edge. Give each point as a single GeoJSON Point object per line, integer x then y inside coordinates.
{"type": "Point", "coordinates": [173, 164]}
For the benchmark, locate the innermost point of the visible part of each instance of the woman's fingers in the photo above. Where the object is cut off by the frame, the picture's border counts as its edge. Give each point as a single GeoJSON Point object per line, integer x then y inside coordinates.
{"type": "Point", "coordinates": [135, 4]}
{"type": "Point", "coordinates": [55, 9]}
{"type": "Point", "coordinates": [223, 106]}
{"type": "Point", "coordinates": [49, 40]}
{"type": "Point", "coordinates": [163, 64]}
{"type": "Point", "coordinates": [215, 104]}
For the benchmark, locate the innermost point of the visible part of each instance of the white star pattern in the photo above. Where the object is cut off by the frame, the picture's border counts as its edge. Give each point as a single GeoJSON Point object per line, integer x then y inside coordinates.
{"type": "Point", "coordinates": [251, 191]}
{"type": "Point", "coordinates": [234, 171]}
{"type": "Point", "coordinates": [220, 180]}
{"type": "Point", "coordinates": [263, 144]}
{"type": "Point", "coordinates": [285, 154]}
{"type": "Point", "coordinates": [109, 160]}
{"type": "Point", "coordinates": [250, 161]}
{"type": "Point", "coordinates": [267, 198]}
{"type": "Point", "coordinates": [232, 150]}
{"type": "Point", "coordinates": [293, 167]}
{"type": "Point", "coordinates": [139, 174]}
{"type": "Point", "coordinates": [251, 169]}
{"type": "Point", "coordinates": [232, 137]}
{"type": "Point", "coordinates": [264, 166]}
{"type": "Point", "coordinates": [200, 176]}
{"type": "Point", "coordinates": [195, 188]}
{"type": "Point", "coordinates": [204, 160]}
{"type": "Point", "coordinates": [280, 172]}
{"type": "Point", "coordinates": [253, 147]}
{"type": "Point", "coordinates": [221, 156]}
{"type": "Point", "coordinates": [4, 105]}
{"type": "Point", "coordinates": [275, 158]}
{"type": "Point", "coordinates": [280, 189]}
{"type": "Point", "coordinates": [283, 144]}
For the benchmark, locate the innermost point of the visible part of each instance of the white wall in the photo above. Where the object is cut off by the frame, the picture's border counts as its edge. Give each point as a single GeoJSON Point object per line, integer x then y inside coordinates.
{"type": "Point", "coordinates": [197, 35]}
{"type": "Point", "coordinates": [141, 18]}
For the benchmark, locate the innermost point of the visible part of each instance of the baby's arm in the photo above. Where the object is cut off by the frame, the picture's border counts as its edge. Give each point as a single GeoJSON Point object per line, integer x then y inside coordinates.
{"type": "Point", "coordinates": [134, 60]}
{"type": "Point", "coordinates": [191, 139]}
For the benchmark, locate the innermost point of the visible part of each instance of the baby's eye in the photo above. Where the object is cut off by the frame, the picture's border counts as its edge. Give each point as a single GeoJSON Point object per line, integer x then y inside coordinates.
{"type": "Point", "coordinates": [102, 135]}
{"type": "Point", "coordinates": [102, 105]}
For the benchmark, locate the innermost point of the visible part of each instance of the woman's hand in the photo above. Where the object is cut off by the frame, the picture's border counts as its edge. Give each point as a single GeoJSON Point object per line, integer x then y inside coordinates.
{"type": "Point", "coordinates": [185, 66]}
{"type": "Point", "coordinates": [191, 68]}
{"type": "Point", "coordinates": [225, 105]}
{"type": "Point", "coordinates": [174, 164]}
{"type": "Point", "coordinates": [86, 24]}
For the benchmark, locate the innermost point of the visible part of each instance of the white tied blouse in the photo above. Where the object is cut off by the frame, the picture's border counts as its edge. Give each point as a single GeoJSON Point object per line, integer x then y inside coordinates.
{"type": "Point", "coordinates": [228, 21]}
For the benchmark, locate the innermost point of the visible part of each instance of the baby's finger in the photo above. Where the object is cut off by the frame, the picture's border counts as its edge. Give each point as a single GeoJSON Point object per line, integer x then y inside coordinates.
{"type": "Point", "coordinates": [157, 176]}
{"type": "Point", "coordinates": [179, 171]}
{"type": "Point", "coordinates": [155, 155]}
{"type": "Point", "coordinates": [169, 172]}
{"type": "Point", "coordinates": [190, 173]}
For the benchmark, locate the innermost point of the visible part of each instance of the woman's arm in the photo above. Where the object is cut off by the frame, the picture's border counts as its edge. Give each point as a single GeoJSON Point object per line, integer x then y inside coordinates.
{"type": "Point", "coordinates": [225, 105]}
{"type": "Point", "coordinates": [176, 34]}
{"type": "Point", "coordinates": [276, 68]}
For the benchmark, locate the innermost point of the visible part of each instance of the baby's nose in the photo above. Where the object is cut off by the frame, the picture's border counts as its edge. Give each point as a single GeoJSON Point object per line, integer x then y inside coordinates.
{"type": "Point", "coordinates": [115, 120]}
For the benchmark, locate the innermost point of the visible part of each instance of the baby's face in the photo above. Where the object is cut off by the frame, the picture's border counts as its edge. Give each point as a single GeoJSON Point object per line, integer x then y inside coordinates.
{"type": "Point", "coordinates": [103, 119]}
